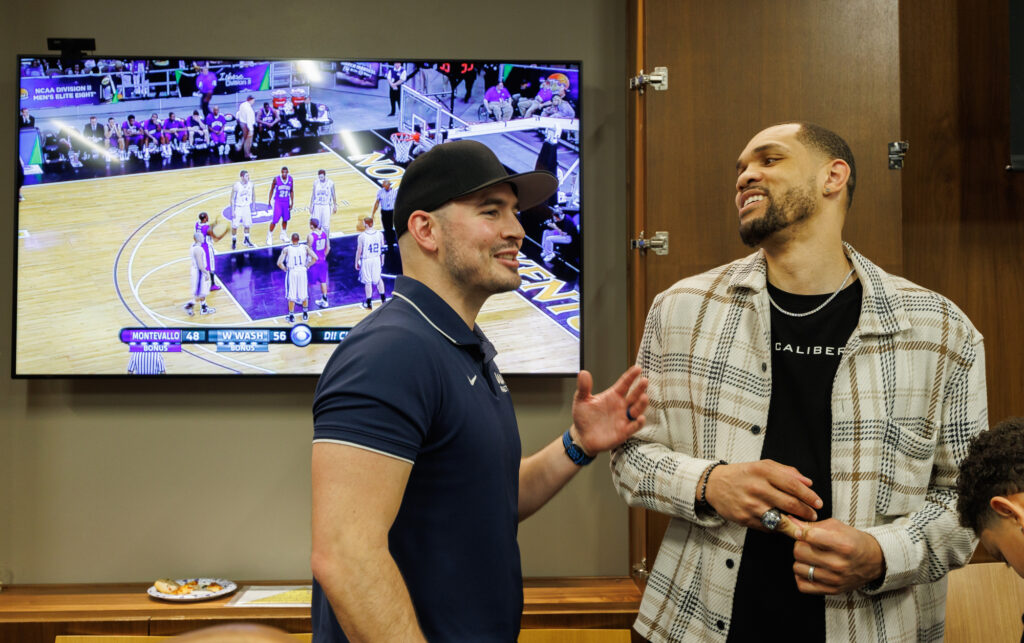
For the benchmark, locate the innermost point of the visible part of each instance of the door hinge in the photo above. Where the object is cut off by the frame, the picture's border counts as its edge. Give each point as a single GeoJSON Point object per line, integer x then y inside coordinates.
{"type": "Point", "coordinates": [658, 243]}
{"type": "Point", "coordinates": [657, 80]}
{"type": "Point", "coordinates": [640, 571]}
{"type": "Point", "coordinates": [897, 152]}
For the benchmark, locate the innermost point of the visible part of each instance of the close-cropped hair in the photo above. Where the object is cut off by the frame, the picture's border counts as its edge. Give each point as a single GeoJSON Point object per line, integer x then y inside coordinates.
{"type": "Point", "coordinates": [831, 145]}
{"type": "Point", "coordinates": [994, 466]}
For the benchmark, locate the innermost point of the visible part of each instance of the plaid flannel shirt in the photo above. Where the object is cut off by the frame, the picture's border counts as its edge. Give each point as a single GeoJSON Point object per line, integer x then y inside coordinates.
{"type": "Point", "coordinates": [908, 396]}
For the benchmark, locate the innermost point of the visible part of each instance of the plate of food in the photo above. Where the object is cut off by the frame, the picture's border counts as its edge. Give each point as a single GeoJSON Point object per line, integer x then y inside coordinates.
{"type": "Point", "coordinates": [191, 589]}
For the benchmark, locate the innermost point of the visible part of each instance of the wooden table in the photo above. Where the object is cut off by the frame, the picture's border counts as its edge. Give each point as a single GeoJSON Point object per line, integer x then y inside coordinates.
{"type": "Point", "coordinates": [31, 613]}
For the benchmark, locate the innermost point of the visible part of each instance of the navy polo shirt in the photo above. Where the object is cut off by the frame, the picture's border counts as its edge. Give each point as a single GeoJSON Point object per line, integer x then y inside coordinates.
{"type": "Point", "coordinates": [412, 381]}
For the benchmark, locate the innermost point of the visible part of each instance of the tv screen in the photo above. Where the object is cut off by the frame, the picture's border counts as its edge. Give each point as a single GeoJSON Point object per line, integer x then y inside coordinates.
{"type": "Point", "coordinates": [122, 161]}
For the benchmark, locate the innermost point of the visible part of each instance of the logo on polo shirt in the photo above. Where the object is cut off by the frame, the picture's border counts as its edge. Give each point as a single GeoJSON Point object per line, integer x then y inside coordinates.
{"type": "Point", "coordinates": [472, 380]}
{"type": "Point", "coordinates": [501, 382]}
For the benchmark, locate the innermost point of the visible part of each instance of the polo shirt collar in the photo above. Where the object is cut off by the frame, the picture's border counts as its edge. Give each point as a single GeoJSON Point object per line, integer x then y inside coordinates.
{"type": "Point", "coordinates": [442, 316]}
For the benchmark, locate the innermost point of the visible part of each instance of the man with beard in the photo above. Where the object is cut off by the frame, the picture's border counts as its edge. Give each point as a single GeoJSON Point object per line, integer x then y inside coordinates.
{"type": "Point", "coordinates": [418, 484]}
{"type": "Point", "coordinates": [802, 390]}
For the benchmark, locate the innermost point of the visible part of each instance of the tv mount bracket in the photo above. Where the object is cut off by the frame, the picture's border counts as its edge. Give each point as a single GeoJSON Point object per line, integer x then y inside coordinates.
{"type": "Point", "coordinates": [71, 47]}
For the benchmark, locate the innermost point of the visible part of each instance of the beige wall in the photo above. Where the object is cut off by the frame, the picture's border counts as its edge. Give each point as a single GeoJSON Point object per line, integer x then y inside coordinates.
{"type": "Point", "coordinates": [126, 480]}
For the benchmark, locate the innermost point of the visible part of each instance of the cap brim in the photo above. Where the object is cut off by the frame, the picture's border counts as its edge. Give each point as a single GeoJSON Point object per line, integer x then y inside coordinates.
{"type": "Point", "coordinates": [532, 188]}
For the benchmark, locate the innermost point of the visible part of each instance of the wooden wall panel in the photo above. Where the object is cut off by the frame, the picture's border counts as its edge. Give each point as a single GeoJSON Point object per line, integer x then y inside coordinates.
{"type": "Point", "coordinates": [962, 214]}
{"type": "Point", "coordinates": [738, 66]}
{"type": "Point", "coordinates": [984, 604]}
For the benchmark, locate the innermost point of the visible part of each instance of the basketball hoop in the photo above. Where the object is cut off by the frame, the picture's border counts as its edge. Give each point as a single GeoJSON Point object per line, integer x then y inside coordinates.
{"type": "Point", "coordinates": [403, 144]}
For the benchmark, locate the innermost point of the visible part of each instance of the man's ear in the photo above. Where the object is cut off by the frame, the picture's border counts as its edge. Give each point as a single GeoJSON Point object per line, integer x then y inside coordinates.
{"type": "Point", "coordinates": [423, 228]}
{"type": "Point", "coordinates": [838, 173]}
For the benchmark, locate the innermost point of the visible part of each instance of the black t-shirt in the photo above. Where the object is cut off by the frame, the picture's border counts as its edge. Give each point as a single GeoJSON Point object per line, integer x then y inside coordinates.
{"type": "Point", "coordinates": [805, 356]}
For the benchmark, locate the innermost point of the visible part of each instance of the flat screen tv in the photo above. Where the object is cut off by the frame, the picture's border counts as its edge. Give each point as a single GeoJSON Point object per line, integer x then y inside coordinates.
{"type": "Point", "coordinates": [122, 160]}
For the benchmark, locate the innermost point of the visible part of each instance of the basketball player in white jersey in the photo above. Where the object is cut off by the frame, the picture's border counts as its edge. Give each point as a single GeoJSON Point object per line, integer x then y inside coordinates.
{"type": "Point", "coordinates": [369, 260]}
{"type": "Point", "coordinates": [243, 195]}
{"type": "Point", "coordinates": [323, 203]}
{"type": "Point", "coordinates": [202, 260]}
{"type": "Point", "coordinates": [294, 260]}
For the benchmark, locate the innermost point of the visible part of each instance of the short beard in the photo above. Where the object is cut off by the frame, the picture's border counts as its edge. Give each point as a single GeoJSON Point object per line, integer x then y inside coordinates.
{"type": "Point", "coordinates": [464, 272]}
{"type": "Point", "coordinates": [794, 206]}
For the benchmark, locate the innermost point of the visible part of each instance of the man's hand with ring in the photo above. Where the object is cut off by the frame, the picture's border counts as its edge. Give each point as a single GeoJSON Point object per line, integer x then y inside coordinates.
{"type": "Point", "coordinates": [774, 520]}
{"type": "Point", "coordinates": [607, 419]}
{"type": "Point", "coordinates": [833, 558]}
{"type": "Point", "coordinates": [743, 492]}
{"type": "Point", "coordinates": [771, 519]}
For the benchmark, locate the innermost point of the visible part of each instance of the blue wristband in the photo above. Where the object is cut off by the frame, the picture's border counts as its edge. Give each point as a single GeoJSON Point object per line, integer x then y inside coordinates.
{"type": "Point", "coordinates": [574, 452]}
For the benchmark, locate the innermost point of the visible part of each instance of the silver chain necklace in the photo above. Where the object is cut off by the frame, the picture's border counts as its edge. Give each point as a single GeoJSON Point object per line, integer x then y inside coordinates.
{"type": "Point", "coordinates": [823, 304]}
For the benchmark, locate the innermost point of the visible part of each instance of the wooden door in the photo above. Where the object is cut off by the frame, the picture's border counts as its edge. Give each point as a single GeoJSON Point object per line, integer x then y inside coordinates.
{"type": "Point", "coordinates": [734, 68]}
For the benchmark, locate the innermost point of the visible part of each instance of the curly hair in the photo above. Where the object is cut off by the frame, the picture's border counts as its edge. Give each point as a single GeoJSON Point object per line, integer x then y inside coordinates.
{"type": "Point", "coordinates": [994, 466]}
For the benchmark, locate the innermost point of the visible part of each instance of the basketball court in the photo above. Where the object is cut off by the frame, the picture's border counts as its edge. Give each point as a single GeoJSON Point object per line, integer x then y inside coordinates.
{"type": "Point", "coordinates": [108, 253]}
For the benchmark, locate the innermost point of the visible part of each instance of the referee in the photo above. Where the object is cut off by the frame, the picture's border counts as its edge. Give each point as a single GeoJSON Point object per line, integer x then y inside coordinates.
{"type": "Point", "coordinates": [386, 201]}
{"type": "Point", "coordinates": [146, 364]}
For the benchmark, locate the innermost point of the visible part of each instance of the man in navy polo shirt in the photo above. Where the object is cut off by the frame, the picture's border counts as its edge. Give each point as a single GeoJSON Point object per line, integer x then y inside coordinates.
{"type": "Point", "coordinates": [418, 481]}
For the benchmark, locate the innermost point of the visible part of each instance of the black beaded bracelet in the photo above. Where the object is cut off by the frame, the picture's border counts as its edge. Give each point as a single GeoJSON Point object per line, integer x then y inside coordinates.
{"type": "Point", "coordinates": [704, 484]}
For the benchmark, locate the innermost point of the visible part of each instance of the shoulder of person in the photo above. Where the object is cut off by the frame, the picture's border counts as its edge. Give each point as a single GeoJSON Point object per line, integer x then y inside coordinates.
{"type": "Point", "coordinates": [377, 337]}
{"type": "Point", "coordinates": [922, 315]}
{"type": "Point", "coordinates": [714, 281]}
{"type": "Point", "coordinates": [932, 313]}
{"type": "Point", "coordinates": [684, 299]}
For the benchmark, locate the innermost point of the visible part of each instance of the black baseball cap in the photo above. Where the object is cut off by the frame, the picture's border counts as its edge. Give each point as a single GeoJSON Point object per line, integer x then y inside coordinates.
{"type": "Point", "coordinates": [459, 168]}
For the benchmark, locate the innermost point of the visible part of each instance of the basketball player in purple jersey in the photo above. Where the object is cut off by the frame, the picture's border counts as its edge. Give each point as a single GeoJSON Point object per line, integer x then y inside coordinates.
{"type": "Point", "coordinates": [153, 130]}
{"type": "Point", "coordinates": [175, 133]}
{"type": "Point", "coordinates": [202, 261]}
{"type": "Point", "coordinates": [281, 200]}
{"type": "Point", "coordinates": [321, 246]}
{"type": "Point", "coordinates": [203, 226]}
{"type": "Point", "coordinates": [133, 135]}
{"type": "Point", "coordinates": [196, 127]}
{"type": "Point", "coordinates": [294, 260]}
{"type": "Point", "coordinates": [218, 136]}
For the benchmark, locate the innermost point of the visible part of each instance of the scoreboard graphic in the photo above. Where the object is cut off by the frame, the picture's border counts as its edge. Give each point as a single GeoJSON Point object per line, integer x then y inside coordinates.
{"type": "Point", "coordinates": [228, 340]}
